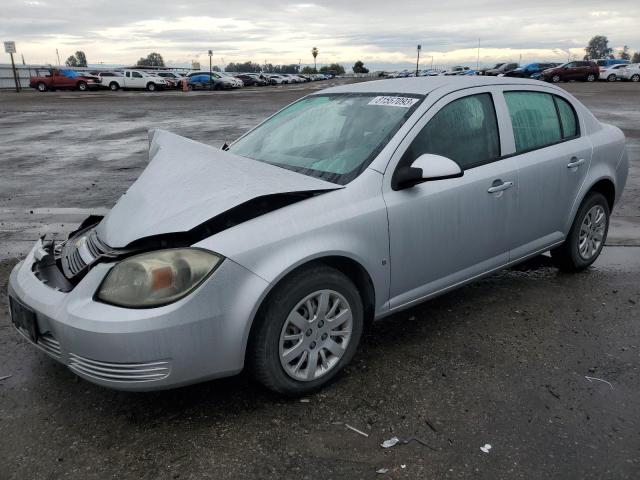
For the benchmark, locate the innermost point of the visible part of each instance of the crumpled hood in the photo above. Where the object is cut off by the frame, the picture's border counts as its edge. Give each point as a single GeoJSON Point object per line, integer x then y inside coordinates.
{"type": "Point", "coordinates": [187, 183]}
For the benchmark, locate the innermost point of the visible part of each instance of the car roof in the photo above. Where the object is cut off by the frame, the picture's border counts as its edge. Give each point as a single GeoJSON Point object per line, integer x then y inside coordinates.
{"type": "Point", "coordinates": [426, 85]}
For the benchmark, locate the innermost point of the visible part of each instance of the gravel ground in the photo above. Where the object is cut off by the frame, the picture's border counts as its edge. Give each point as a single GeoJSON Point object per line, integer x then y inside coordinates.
{"type": "Point", "coordinates": [502, 362]}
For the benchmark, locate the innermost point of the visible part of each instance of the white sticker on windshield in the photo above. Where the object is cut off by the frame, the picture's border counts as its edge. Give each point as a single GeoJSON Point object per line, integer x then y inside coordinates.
{"type": "Point", "coordinates": [404, 102]}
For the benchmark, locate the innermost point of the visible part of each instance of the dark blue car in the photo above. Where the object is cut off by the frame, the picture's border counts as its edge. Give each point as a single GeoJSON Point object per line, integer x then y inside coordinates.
{"type": "Point", "coordinates": [526, 71]}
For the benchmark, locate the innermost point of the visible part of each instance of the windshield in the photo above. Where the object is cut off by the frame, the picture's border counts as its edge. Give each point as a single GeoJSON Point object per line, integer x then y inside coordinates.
{"type": "Point", "coordinates": [332, 137]}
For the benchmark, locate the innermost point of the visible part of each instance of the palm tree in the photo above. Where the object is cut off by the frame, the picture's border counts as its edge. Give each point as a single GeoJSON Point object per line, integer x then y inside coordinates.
{"type": "Point", "coordinates": [314, 52]}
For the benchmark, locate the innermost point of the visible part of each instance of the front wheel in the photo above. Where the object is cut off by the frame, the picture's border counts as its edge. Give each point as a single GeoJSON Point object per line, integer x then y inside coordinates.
{"type": "Point", "coordinates": [635, 78]}
{"type": "Point", "coordinates": [612, 78]}
{"type": "Point", "coordinates": [555, 79]}
{"type": "Point", "coordinates": [591, 77]}
{"type": "Point", "coordinates": [307, 332]}
{"type": "Point", "coordinates": [82, 86]}
{"type": "Point", "coordinates": [113, 86]}
{"type": "Point", "coordinates": [151, 87]}
{"type": "Point", "coordinates": [586, 237]}
{"type": "Point", "coordinates": [41, 87]}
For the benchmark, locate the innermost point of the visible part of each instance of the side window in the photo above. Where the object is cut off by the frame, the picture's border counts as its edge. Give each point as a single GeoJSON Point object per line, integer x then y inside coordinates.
{"type": "Point", "coordinates": [567, 118]}
{"type": "Point", "coordinates": [136, 75]}
{"type": "Point", "coordinates": [465, 130]}
{"type": "Point", "coordinates": [128, 74]}
{"type": "Point", "coordinates": [534, 120]}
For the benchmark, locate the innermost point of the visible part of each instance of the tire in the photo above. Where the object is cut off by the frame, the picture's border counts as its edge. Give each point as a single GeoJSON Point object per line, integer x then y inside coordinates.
{"type": "Point", "coordinates": [82, 86]}
{"type": "Point", "coordinates": [151, 87]}
{"type": "Point", "coordinates": [635, 78]}
{"type": "Point", "coordinates": [113, 86]}
{"type": "Point", "coordinates": [556, 79]}
{"type": "Point", "coordinates": [612, 78]}
{"type": "Point", "coordinates": [591, 78]}
{"type": "Point", "coordinates": [267, 342]}
{"type": "Point", "coordinates": [569, 257]}
{"type": "Point", "coordinates": [41, 87]}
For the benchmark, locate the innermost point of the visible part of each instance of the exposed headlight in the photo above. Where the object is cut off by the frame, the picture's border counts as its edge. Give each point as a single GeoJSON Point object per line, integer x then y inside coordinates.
{"type": "Point", "coordinates": [157, 278]}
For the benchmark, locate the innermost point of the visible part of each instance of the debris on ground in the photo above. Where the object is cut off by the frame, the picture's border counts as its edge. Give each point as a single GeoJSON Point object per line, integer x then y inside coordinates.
{"type": "Point", "coordinates": [390, 443]}
{"type": "Point", "coordinates": [382, 471]}
{"type": "Point", "coordinates": [418, 440]}
{"type": "Point", "coordinates": [304, 400]}
{"type": "Point", "coordinates": [591, 379]}
{"type": "Point", "coordinates": [356, 430]}
{"type": "Point", "coordinates": [5, 377]}
{"type": "Point", "coordinates": [486, 448]}
{"type": "Point", "coordinates": [430, 425]}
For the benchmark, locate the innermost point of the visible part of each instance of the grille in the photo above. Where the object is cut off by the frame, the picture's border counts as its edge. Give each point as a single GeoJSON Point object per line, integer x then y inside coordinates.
{"type": "Point", "coordinates": [50, 345]}
{"type": "Point", "coordinates": [119, 372]}
{"type": "Point", "coordinates": [81, 251]}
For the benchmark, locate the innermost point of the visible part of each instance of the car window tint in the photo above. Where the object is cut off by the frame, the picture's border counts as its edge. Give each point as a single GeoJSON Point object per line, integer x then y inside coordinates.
{"type": "Point", "coordinates": [534, 120]}
{"type": "Point", "coordinates": [567, 118]}
{"type": "Point", "coordinates": [137, 75]}
{"type": "Point", "coordinates": [465, 130]}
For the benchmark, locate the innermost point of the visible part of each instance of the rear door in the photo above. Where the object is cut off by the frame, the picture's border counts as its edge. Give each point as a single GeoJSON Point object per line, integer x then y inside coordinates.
{"type": "Point", "coordinates": [552, 158]}
{"type": "Point", "coordinates": [444, 232]}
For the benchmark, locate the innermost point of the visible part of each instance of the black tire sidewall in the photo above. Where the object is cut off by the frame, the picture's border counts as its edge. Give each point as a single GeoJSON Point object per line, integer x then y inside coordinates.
{"type": "Point", "coordinates": [594, 198]}
{"type": "Point", "coordinates": [266, 337]}
{"type": "Point", "coordinates": [82, 86]}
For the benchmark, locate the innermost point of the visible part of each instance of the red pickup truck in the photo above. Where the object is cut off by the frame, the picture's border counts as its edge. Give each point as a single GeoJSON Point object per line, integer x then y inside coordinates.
{"type": "Point", "coordinates": [60, 78]}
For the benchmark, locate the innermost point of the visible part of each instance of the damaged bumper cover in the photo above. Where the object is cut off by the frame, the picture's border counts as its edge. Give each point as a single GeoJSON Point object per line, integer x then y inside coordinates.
{"type": "Point", "coordinates": [199, 337]}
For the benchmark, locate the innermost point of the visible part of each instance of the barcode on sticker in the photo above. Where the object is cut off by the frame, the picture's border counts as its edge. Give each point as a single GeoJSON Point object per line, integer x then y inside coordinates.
{"type": "Point", "coordinates": [404, 102]}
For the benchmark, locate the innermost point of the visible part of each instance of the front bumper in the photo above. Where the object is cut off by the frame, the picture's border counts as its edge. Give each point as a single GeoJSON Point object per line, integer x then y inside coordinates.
{"type": "Point", "coordinates": [199, 337]}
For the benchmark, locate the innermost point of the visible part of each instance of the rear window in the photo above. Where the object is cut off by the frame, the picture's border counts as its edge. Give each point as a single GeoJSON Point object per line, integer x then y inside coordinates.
{"type": "Point", "coordinates": [534, 120]}
{"type": "Point", "coordinates": [568, 119]}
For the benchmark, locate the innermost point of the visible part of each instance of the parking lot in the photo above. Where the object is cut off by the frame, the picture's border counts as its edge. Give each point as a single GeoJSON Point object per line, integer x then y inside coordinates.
{"type": "Point", "coordinates": [516, 361]}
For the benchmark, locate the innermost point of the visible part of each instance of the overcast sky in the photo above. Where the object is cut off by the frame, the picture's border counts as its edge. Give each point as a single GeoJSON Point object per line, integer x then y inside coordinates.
{"type": "Point", "coordinates": [382, 33]}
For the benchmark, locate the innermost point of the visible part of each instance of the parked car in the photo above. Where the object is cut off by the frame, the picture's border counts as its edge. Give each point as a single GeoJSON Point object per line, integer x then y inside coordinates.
{"type": "Point", "coordinates": [578, 70]}
{"type": "Point", "coordinates": [482, 71]}
{"type": "Point", "coordinates": [252, 79]}
{"type": "Point", "coordinates": [502, 69]}
{"type": "Point", "coordinates": [235, 82]}
{"type": "Point", "coordinates": [457, 70]}
{"type": "Point", "coordinates": [431, 72]}
{"type": "Point", "coordinates": [62, 79]}
{"type": "Point", "coordinates": [604, 63]}
{"type": "Point", "coordinates": [274, 254]}
{"type": "Point", "coordinates": [209, 80]}
{"type": "Point", "coordinates": [612, 73]}
{"type": "Point", "coordinates": [105, 78]}
{"type": "Point", "coordinates": [530, 69]}
{"type": "Point", "coordinates": [174, 79]}
{"type": "Point", "coordinates": [631, 72]}
{"type": "Point", "coordinates": [138, 79]}
{"type": "Point", "coordinates": [276, 79]}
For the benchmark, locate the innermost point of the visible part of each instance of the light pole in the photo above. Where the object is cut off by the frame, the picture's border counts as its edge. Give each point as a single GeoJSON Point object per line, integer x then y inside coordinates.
{"type": "Point", "coordinates": [210, 71]}
{"type": "Point", "coordinates": [418, 59]}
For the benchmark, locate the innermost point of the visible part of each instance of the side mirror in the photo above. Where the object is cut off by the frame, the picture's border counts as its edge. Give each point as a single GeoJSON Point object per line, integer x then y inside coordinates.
{"type": "Point", "coordinates": [427, 167]}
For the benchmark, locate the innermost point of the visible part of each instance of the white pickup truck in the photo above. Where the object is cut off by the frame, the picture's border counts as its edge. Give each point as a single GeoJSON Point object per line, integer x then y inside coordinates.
{"type": "Point", "coordinates": [137, 79]}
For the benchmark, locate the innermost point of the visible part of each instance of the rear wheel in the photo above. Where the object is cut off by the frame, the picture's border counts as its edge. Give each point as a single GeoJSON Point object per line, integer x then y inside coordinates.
{"type": "Point", "coordinates": [555, 78]}
{"type": "Point", "coordinates": [307, 332]}
{"type": "Point", "coordinates": [82, 86]}
{"type": "Point", "coordinates": [612, 78]}
{"type": "Point", "coordinates": [586, 237]}
{"type": "Point", "coordinates": [635, 78]}
{"type": "Point", "coordinates": [41, 87]}
{"type": "Point", "coordinates": [113, 86]}
{"type": "Point", "coordinates": [151, 87]}
{"type": "Point", "coordinates": [591, 77]}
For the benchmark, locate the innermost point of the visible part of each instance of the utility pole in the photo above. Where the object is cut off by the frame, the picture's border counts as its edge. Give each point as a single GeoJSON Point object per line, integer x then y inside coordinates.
{"type": "Point", "coordinates": [210, 71]}
{"type": "Point", "coordinates": [418, 59]}
{"type": "Point", "coordinates": [478, 58]}
{"type": "Point", "coordinates": [58, 55]}
{"type": "Point", "coordinates": [10, 48]}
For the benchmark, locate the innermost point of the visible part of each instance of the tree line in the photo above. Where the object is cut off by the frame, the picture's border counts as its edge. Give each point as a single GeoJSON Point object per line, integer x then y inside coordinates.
{"type": "Point", "coordinates": [598, 47]}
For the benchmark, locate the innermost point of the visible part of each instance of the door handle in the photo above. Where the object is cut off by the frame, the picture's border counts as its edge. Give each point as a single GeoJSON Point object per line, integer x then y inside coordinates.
{"type": "Point", "coordinates": [575, 162]}
{"type": "Point", "coordinates": [500, 187]}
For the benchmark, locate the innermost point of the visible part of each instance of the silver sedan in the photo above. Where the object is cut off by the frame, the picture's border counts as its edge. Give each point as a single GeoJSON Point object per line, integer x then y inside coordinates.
{"type": "Point", "coordinates": [348, 205]}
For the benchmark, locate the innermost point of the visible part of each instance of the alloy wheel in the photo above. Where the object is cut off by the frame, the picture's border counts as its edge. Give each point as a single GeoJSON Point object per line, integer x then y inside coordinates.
{"type": "Point", "coordinates": [315, 335]}
{"type": "Point", "coordinates": [592, 232]}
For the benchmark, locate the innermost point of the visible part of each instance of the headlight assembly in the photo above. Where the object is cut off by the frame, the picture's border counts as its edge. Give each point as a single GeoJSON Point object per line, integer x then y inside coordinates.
{"type": "Point", "coordinates": [157, 278]}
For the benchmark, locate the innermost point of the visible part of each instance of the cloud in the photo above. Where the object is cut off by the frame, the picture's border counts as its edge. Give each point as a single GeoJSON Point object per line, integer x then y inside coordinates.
{"type": "Point", "coordinates": [377, 31]}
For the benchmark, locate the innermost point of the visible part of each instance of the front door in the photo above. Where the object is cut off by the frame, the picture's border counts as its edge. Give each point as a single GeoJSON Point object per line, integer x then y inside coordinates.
{"type": "Point", "coordinates": [446, 231]}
